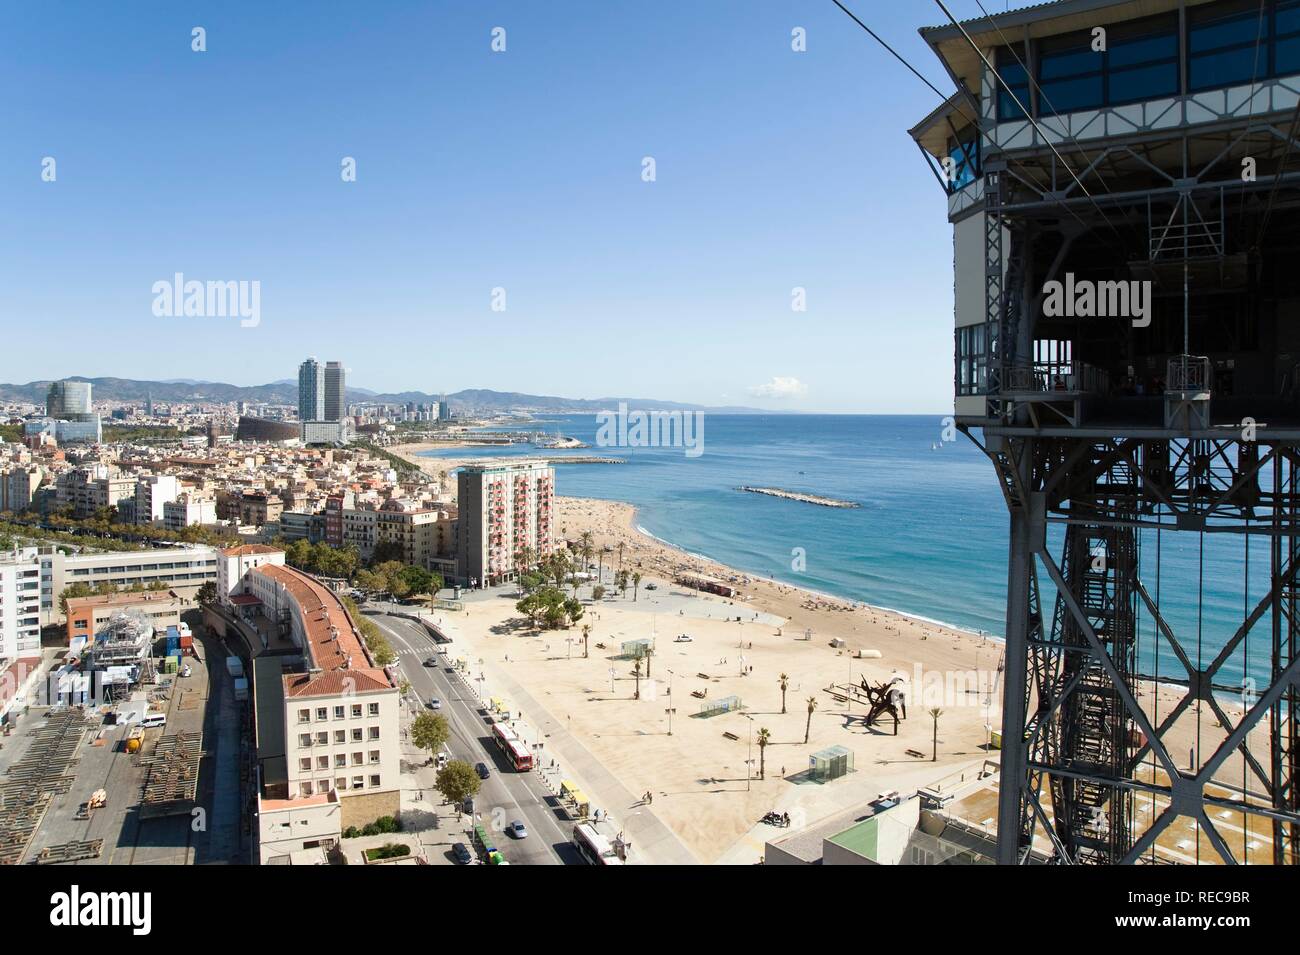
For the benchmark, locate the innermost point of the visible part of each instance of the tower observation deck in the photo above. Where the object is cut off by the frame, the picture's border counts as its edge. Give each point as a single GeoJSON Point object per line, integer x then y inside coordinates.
{"type": "Point", "coordinates": [1123, 179]}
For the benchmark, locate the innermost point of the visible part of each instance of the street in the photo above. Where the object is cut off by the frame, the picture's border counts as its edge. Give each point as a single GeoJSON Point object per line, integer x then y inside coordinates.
{"type": "Point", "coordinates": [506, 795]}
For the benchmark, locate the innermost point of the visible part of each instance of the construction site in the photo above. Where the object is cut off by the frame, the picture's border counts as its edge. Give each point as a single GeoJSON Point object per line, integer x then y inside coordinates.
{"type": "Point", "coordinates": [126, 778]}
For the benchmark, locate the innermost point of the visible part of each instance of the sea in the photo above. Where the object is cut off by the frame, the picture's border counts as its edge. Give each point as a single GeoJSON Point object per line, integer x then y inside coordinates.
{"type": "Point", "coordinates": [928, 538]}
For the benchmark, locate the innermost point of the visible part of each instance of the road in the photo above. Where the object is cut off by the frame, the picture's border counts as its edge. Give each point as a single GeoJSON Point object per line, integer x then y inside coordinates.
{"type": "Point", "coordinates": [506, 795]}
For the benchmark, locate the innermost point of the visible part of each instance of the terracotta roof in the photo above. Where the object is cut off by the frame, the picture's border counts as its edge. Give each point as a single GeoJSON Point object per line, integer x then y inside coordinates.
{"type": "Point", "coordinates": [246, 550]}
{"type": "Point", "coordinates": [334, 646]}
{"type": "Point", "coordinates": [336, 682]}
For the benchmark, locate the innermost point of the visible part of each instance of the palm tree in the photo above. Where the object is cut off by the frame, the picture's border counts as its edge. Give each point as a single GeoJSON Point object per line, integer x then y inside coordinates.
{"type": "Point", "coordinates": [586, 549]}
{"type": "Point", "coordinates": [649, 652]}
{"type": "Point", "coordinates": [807, 729]}
{"type": "Point", "coordinates": [764, 737]}
{"type": "Point", "coordinates": [620, 553]}
{"type": "Point", "coordinates": [636, 584]}
{"type": "Point", "coordinates": [601, 562]}
{"type": "Point", "coordinates": [785, 685]}
{"type": "Point", "coordinates": [586, 632]}
{"type": "Point", "coordinates": [636, 672]}
{"type": "Point", "coordinates": [934, 715]}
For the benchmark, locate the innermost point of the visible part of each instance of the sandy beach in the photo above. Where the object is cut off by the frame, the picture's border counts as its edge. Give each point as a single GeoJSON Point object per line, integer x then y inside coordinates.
{"type": "Point", "coordinates": [741, 646]}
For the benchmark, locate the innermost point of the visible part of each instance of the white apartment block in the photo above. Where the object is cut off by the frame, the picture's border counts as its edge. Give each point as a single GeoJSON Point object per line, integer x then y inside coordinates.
{"type": "Point", "coordinates": [189, 511]}
{"type": "Point", "coordinates": [152, 493]}
{"type": "Point", "coordinates": [20, 604]}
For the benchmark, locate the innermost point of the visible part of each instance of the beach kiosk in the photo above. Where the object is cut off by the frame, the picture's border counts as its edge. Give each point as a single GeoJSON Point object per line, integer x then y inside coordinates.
{"type": "Point", "coordinates": [830, 763]}
{"type": "Point", "coordinates": [634, 649]}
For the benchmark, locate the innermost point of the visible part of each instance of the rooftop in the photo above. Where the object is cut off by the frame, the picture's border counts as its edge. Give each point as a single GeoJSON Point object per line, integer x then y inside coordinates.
{"type": "Point", "coordinates": [336, 654]}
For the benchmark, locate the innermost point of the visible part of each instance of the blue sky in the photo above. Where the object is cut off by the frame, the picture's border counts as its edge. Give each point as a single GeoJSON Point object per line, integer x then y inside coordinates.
{"type": "Point", "coordinates": [477, 170]}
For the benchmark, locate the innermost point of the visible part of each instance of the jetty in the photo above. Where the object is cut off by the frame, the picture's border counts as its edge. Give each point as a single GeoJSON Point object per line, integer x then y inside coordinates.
{"type": "Point", "coordinates": [799, 496]}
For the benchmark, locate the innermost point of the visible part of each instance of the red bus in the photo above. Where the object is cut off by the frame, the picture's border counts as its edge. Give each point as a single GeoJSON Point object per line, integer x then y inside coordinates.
{"type": "Point", "coordinates": [515, 751]}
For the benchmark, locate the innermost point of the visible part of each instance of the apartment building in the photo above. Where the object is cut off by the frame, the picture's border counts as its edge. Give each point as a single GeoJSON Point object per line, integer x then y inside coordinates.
{"type": "Point", "coordinates": [413, 533]}
{"type": "Point", "coordinates": [20, 604]}
{"type": "Point", "coordinates": [152, 493]}
{"type": "Point", "coordinates": [87, 489]}
{"type": "Point", "coordinates": [182, 569]}
{"type": "Point", "coordinates": [254, 508]}
{"type": "Point", "coordinates": [18, 487]}
{"type": "Point", "coordinates": [189, 511]}
{"type": "Point", "coordinates": [360, 530]}
{"type": "Point", "coordinates": [503, 508]}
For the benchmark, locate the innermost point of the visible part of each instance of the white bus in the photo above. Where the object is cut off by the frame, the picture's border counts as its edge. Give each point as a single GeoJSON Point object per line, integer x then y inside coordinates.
{"type": "Point", "coordinates": [593, 847]}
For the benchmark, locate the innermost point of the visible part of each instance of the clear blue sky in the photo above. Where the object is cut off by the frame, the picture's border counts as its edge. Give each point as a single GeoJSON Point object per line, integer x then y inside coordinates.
{"type": "Point", "coordinates": [476, 170]}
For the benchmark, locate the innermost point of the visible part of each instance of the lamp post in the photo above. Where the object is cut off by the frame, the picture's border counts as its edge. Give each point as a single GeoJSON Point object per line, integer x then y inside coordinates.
{"type": "Point", "coordinates": [749, 761]}
{"type": "Point", "coordinates": [671, 708]}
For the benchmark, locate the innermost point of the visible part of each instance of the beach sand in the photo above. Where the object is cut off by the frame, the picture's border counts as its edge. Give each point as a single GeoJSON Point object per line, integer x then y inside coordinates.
{"type": "Point", "coordinates": [698, 775]}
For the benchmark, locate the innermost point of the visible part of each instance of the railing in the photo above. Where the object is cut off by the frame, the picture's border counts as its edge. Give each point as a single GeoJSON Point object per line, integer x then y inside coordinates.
{"type": "Point", "coordinates": [1051, 376]}
{"type": "Point", "coordinates": [1190, 373]}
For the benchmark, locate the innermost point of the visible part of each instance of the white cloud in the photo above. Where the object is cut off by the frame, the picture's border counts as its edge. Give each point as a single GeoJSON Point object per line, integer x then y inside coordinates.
{"type": "Point", "coordinates": [779, 387]}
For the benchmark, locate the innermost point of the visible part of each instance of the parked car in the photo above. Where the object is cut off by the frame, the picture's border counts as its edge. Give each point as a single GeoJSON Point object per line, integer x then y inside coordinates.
{"type": "Point", "coordinates": [431, 662]}
{"type": "Point", "coordinates": [517, 829]}
{"type": "Point", "coordinates": [651, 586]}
{"type": "Point", "coordinates": [434, 704]}
{"type": "Point", "coordinates": [483, 771]}
{"type": "Point", "coordinates": [462, 853]}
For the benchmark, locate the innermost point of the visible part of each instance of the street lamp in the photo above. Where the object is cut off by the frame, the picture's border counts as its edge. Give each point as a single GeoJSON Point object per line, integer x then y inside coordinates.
{"type": "Point", "coordinates": [611, 680]}
{"type": "Point", "coordinates": [749, 761]}
{"type": "Point", "coordinates": [671, 709]}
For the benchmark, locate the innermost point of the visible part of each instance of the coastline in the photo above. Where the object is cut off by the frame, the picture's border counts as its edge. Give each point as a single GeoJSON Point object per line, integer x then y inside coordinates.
{"type": "Point", "coordinates": [628, 531]}
{"type": "Point", "coordinates": [816, 641]}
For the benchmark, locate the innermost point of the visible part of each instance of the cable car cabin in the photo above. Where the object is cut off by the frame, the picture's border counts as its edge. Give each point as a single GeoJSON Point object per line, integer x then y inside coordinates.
{"type": "Point", "coordinates": [1123, 185]}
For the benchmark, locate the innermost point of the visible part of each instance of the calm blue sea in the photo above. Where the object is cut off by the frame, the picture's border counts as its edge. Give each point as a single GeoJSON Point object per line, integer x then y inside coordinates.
{"type": "Point", "coordinates": [929, 538]}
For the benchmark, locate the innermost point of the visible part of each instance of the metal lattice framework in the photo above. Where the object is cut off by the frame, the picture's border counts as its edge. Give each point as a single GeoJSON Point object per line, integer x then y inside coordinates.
{"type": "Point", "coordinates": [1072, 774]}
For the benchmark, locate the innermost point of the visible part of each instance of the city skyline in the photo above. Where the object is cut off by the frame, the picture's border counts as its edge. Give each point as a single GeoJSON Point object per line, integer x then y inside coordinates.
{"type": "Point", "coordinates": [528, 181]}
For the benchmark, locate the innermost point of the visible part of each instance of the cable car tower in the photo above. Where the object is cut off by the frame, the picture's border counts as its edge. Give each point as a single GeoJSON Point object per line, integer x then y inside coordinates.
{"type": "Point", "coordinates": [1123, 180]}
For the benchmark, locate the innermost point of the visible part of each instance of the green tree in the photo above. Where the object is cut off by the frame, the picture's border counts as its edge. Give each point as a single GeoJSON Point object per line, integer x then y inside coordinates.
{"type": "Point", "coordinates": [807, 728]}
{"type": "Point", "coordinates": [74, 592]}
{"type": "Point", "coordinates": [764, 737]}
{"type": "Point", "coordinates": [457, 781]}
{"type": "Point", "coordinates": [598, 593]}
{"type": "Point", "coordinates": [430, 731]}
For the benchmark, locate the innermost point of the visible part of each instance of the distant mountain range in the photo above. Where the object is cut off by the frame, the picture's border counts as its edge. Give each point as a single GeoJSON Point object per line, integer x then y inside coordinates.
{"type": "Point", "coordinates": [285, 392]}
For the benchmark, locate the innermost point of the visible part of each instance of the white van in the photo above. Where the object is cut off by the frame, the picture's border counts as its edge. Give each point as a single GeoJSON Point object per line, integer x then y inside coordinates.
{"type": "Point", "coordinates": [154, 719]}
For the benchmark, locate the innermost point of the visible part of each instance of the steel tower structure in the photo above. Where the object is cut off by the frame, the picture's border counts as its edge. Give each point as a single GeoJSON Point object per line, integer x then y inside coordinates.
{"type": "Point", "coordinates": [1120, 437]}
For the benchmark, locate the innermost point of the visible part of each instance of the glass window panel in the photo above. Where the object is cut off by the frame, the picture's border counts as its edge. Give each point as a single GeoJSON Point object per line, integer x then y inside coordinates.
{"type": "Point", "coordinates": [1068, 63]}
{"type": "Point", "coordinates": [1224, 69]}
{"type": "Point", "coordinates": [1288, 19]}
{"type": "Point", "coordinates": [1213, 36]}
{"type": "Point", "coordinates": [1011, 71]}
{"type": "Point", "coordinates": [1064, 96]}
{"type": "Point", "coordinates": [1287, 56]}
{"type": "Point", "coordinates": [1007, 108]}
{"type": "Point", "coordinates": [1149, 82]}
{"type": "Point", "coordinates": [1145, 49]}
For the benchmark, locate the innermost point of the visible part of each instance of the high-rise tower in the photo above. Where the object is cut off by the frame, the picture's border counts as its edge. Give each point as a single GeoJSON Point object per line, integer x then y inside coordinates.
{"type": "Point", "coordinates": [311, 391]}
